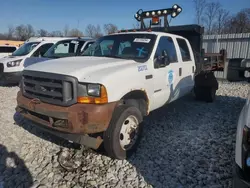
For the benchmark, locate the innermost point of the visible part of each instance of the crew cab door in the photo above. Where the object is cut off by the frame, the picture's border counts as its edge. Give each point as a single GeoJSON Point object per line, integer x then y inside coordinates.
{"type": "Point", "coordinates": [187, 63]}
{"type": "Point", "coordinates": [166, 77]}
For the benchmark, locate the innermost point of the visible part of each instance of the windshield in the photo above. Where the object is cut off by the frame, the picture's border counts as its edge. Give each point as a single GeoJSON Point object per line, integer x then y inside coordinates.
{"type": "Point", "coordinates": [25, 49]}
{"type": "Point", "coordinates": [64, 48]}
{"type": "Point", "coordinates": [124, 46]}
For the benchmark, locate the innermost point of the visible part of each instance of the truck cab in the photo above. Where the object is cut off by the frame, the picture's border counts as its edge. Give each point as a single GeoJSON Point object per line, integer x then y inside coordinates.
{"type": "Point", "coordinates": [103, 95]}
{"type": "Point", "coordinates": [62, 48]}
{"type": "Point", "coordinates": [11, 66]}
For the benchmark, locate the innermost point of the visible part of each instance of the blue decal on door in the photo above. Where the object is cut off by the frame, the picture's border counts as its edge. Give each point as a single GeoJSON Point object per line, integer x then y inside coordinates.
{"type": "Point", "coordinates": [142, 68]}
{"type": "Point", "coordinates": [170, 77]}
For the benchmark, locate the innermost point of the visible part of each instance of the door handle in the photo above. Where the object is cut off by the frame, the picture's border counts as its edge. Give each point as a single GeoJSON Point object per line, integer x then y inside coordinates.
{"type": "Point", "coordinates": [193, 69]}
{"type": "Point", "coordinates": [180, 71]}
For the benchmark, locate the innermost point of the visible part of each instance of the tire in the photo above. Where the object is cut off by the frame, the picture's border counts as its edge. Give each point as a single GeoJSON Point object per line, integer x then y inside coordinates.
{"type": "Point", "coordinates": [197, 93]}
{"type": "Point", "coordinates": [207, 94]}
{"type": "Point", "coordinates": [233, 74]}
{"type": "Point", "coordinates": [211, 95]}
{"type": "Point", "coordinates": [112, 136]}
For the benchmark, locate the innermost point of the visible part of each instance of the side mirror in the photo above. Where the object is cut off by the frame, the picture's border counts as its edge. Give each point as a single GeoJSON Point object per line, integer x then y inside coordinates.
{"type": "Point", "coordinates": [162, 60]}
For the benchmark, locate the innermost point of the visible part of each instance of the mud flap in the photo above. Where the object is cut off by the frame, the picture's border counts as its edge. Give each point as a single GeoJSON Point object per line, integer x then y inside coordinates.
{"type": "Point", "coordinates": [205, 87]}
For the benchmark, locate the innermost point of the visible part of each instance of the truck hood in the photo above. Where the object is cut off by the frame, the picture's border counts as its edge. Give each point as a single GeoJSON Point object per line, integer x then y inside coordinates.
{"type": "Point", "coordinates": [32, 60]}
{"type": "Point", "coordinates": [81, 67]}
{"type": "Point", "coordinates": [10, 58]}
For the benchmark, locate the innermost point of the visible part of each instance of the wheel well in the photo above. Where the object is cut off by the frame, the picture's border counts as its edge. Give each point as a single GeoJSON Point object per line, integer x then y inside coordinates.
{"type": "Point", "coordinates": [137, 98]}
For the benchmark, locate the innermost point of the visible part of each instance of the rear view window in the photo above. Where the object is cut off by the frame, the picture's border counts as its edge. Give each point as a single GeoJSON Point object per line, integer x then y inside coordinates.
{"type": "Point", "coordinates": [7, 49]}
{"type": "Point", "coordinates": [184, 50]}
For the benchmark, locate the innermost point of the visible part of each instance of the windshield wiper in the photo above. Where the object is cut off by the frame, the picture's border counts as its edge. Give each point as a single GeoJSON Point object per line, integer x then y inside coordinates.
{"type": "Point", "coordinates": [112, 56]}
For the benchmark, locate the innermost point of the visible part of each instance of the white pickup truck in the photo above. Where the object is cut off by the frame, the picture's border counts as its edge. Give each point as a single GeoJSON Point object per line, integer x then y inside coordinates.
{"type": "Point", "coordinates": [119, 80]}
{"type": "Point", "coordinates": [103, 95]}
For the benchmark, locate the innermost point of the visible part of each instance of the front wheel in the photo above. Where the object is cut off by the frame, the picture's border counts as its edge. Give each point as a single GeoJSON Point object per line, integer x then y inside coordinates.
{"type": "Point", "coordinates": [124, 132]}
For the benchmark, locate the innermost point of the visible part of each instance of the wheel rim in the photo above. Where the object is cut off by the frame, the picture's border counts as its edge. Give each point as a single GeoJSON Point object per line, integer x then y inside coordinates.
{"type": "Point", "coordinates": [129, 132]}
{"type": "Point", "coordinates": [69, 159]}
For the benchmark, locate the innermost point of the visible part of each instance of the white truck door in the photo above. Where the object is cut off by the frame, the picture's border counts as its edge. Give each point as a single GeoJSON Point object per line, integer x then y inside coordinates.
{"type": "Point", "coordinates": [166, 78]}
{"type": "Point", "coordinates": [188, 65]}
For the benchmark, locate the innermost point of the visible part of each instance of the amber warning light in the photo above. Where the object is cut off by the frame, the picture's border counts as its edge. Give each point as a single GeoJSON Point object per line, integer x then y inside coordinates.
{"type": "Point", "coordinates": [155, 21]}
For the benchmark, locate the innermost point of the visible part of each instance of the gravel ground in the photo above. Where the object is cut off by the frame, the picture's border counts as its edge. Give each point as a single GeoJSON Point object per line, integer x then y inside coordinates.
{"type": "Point", "coordinates": [185, 144]}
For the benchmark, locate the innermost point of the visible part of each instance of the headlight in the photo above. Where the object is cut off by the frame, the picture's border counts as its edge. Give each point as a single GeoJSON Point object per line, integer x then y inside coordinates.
{"type": "Point", "coordinates": [14, 63]}
{"type": "Point", "coordinates": [94, 90]}
{"type": "Point", "coordinates": [92, 93]}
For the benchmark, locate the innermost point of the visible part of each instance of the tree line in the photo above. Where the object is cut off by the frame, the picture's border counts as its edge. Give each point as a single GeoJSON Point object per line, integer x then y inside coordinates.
{"type": "Point", "coordinates": [23, 32]}
{"type": "Point", "coordinates": [210, 14]}
{"type": "Point", "coordinates": [217, 20]}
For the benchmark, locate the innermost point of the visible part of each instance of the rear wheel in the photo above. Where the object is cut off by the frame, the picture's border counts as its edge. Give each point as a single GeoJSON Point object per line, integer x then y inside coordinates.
{"type": "Point", "coordinates": [211, 94]}
{"type": "Point", "coordinates": [207, 94]}
{"type": "Point", "coordinates": [124, 132]}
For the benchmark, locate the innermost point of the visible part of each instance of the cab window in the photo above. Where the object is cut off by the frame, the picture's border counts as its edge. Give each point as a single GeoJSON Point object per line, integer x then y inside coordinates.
{"type": "Point", "coordinates": [42, 50]}
{"type": "Point", "coordinates": [167, 44]}
{"type": "Point", "coordinates": [124, 45]}
{"type": "Point", "coordinates": [185, 54]}
{"type": "Point", "coordinates": [106, 47]}
{"type": "Point", "coordinates": [87, 45]}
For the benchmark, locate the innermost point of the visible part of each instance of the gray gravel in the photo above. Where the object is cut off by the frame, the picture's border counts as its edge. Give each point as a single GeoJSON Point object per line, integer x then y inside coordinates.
{"type": "Point", "coordinates": [185, 144]}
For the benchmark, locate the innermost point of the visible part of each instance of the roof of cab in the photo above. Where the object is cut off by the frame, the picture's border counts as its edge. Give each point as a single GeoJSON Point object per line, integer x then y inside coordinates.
{"type": "Point", "coordinates": [79, 39]}
{"type": "Point", "coordinates": [40, 39]}
{"type": "Point", "coordinates": [11, 46]}
{"type": "Point", "coordinates": [149, 32]}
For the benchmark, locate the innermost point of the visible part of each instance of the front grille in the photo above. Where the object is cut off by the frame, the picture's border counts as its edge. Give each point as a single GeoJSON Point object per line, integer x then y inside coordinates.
{"type": "Point", "coordinates": [50, 88]}
{"type": "Point", "coordinates": [1, 68]}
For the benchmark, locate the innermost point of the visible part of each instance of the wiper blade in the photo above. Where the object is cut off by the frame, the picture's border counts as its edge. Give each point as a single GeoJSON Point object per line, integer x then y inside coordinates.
{"type": "Point", "coordinates": [112, 56]}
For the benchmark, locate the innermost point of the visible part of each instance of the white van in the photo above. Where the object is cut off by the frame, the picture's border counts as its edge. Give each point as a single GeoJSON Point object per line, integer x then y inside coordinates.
{"type": "Point", "coordinates": [6, 50]}
{"type": "Point", "coordinates": [61, 49]}
{"type": "Point", "coordinates": [11, 66]}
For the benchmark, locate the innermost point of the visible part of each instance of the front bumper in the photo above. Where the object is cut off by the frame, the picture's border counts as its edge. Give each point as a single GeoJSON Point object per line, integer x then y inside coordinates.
{"type": "Point", "coordinates": [11, 77]}
{"type": "Point", "coordinates": [239, 178]}
{"type": "Point", "coordinates": [72, 123]}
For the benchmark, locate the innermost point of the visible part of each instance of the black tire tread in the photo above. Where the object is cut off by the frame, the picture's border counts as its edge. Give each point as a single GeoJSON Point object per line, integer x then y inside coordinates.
{"type": "Point", "coordinates": [108, 134]}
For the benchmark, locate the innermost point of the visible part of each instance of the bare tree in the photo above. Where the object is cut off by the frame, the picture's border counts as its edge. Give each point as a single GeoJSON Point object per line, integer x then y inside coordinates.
{"type": "Point", "coordinates": [222, 18]}
{"type": "Point", "coordinates": [75, 33]}
{"type": "Point", "coordinates": [3, 36]}
{"type": "Point", "coordinates": [210, 14]}
{"type": "Point", "coordinates": [42, 33]}
{"type": "Point", "coordinates": [56, 34]}
{"type": "Point", "coordinates": [66, 30]}
{"type": "Point", "coordinates": [30, 31]}
{"type": "Point", "coordinates": [20, 32]}
{"type": "Point", "coordinates": [110, 28]}
{"type": "Point", "coordinates": [98, 32]}
{"type": "Point", "coordinates": [239, 23]}
{"type": "Point", "coordinates": [10, 33]}
{"type": "Point", "coordinates": [90, 30]}
{"type": "Point", "coordinates": [199, 10]}
{"type": "Point", "coordinates": [93, 31]}
{"type": "Point", "coordinates": [243, 21]}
